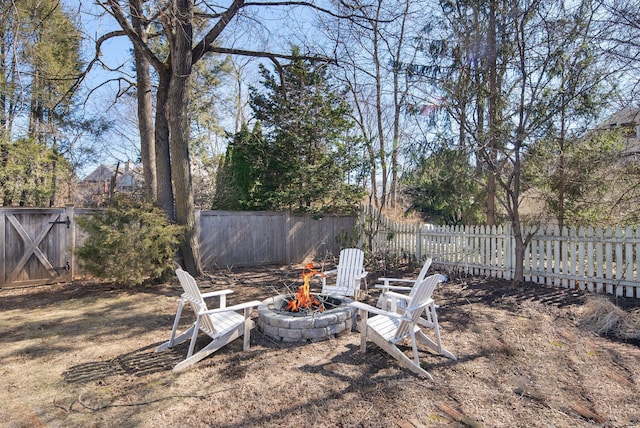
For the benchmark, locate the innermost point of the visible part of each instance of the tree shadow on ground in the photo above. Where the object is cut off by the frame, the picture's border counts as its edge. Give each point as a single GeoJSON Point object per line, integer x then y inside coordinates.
{"type": "Point", "coordinates": [140, 362]}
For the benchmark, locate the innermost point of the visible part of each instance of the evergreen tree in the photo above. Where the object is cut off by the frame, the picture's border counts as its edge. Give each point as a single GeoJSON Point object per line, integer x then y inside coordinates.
{"type": "Point", "coordinates": [239, 173]}
{"type": "Point", "coordinates": [307, 153]}
{"type": "Point", "coordinates": [40, 62]}
{"type": "Point", "coordinates": [443, 189]}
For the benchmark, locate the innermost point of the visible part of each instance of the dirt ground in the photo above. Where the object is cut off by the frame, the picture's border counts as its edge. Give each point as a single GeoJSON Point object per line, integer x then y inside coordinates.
{"type": "Point", "coordinates": [82, 355]}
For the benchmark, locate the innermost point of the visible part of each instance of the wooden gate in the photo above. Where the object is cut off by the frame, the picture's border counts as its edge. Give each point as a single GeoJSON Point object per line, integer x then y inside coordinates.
{"type": "Point", "coordinates": [35, 246]}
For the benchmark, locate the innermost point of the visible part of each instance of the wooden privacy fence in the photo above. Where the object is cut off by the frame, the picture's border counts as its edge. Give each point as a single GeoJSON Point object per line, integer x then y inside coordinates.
{"type": "Point", "coordinates": [594, 259]}
{"type": "Point", "coordinates": [243, 238]}
{"type": "Point", "coordinates": [37, 245]}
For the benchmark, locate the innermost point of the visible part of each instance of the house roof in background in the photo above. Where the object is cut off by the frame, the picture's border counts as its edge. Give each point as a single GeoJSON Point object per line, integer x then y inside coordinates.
{"type": "Point", "coordinates": [625, 117]}
{"type": "Point", "coordinates": [100, 174]}
{"type": "Point", "coordinates": [105, 172]}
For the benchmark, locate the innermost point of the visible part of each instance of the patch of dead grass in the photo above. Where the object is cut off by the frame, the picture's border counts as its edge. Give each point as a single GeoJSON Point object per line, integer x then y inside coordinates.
{"type": "Point", "coordinates": [602, 316]}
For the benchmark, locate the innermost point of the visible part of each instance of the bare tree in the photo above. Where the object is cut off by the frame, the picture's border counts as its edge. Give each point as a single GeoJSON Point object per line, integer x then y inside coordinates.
{"type": "Point", "coordinates": [145, 102]}
{"type": "Point", "coordinates": [375, 56]}
{"type": "Point", "coordinates": [174, 71]}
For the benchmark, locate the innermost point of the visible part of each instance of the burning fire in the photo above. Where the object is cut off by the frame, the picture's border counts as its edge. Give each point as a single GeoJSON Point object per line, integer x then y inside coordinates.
{"type": "Point", "coordinates": [303, 298]}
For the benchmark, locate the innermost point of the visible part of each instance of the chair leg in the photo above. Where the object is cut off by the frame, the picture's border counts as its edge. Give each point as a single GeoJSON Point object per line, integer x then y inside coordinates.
{"type": "Point", "coordinates": [424, 339]}
{"type": "Point", "coordinates": [431, 322]}
{"type": "Point", "coordinates": [363, 330]}
{"type": "Point", "coordinates": [176, 322]}
{"type": "Point", "coordinates": [248, 324]}
{"type": "Point", "coordinates": [173, 340]}
{"type": "Point", "coordinates": [409, 363]}
{"type": "Point", "coordinates": [395, 352]}
{"type": "Point", "coordinates": [194, 336]}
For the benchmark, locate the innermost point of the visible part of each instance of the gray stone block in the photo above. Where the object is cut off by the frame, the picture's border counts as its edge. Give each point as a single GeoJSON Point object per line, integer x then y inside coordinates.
{"type": "Point", "coordinates": [287, 333]}
{"type": "Point", "coordinates": [325, 320]}
{"type": "Point", "coordinates": [315, 333]}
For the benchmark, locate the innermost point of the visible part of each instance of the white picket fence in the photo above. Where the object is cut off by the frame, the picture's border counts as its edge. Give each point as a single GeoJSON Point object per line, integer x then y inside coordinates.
{"type": "Point", "coordinates": [595, 259]}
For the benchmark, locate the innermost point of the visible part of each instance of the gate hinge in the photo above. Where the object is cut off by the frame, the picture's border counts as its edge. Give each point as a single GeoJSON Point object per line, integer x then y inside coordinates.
{"type": "Point", "coordinates": [67, 222]}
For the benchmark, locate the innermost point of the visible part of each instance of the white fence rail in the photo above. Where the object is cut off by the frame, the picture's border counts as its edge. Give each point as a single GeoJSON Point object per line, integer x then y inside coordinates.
{"type": "Point", "coordinates": [603, 260]}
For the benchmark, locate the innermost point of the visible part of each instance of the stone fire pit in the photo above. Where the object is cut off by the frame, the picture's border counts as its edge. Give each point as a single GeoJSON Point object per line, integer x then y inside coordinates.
{"type": "Point", "coordinates": [274, 321]}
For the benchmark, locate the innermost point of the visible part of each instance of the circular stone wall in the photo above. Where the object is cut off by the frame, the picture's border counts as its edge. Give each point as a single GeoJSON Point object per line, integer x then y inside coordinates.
{"type": "Point", "coordinates": [296, 327]}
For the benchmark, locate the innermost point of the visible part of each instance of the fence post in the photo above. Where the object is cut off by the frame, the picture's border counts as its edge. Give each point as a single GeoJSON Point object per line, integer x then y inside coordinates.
{"type": "Point", "coordinates": [419, 242]}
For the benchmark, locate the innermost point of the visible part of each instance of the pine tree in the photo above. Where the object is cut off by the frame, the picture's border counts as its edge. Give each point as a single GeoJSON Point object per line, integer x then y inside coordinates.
{"type": "Point", "coordinates": [307, 151]}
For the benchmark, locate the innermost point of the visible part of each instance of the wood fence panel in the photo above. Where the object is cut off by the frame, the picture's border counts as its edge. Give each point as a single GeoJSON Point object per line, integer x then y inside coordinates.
{"type": "Point", "coordinates": [259, 238]}
{"type": "Point", "coordinates": [636, 268]}
{"type": "Point", "coordinates": [34, 246]}
{"type": "Point", "coordinates": [590, 257]}
{"type": "Point", "coordinates": [564, 259]}
{"type": "Point", "coordinates": [312, 237]}
{"type": "Point", "coordinates": [581, 261]}
{"type": "Point", "coordinates": [628, 250]}
{"type": "Point", "coordinates": [242, 238]}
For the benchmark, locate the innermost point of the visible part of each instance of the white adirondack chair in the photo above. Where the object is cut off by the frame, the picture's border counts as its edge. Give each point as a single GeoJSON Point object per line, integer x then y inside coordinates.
{"type": "Point", "coordinates": [349, 274]}
{"type": "Point", "coordinates": [223, 324]}
{"type": "Point", "coordinates": [392, 284]}
{"type": "Point", "coordinates": [387, 328]}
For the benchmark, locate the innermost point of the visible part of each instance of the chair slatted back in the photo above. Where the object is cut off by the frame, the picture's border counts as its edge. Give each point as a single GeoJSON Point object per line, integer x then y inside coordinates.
{"type": "Point", "coordinates": [194, 297]}
{"type": "Point", "coordinates": [420, 293]}
{"type": "Point", "coordinates": [423, 272]}
{"type": "Point", "coordinates": [350, 268]}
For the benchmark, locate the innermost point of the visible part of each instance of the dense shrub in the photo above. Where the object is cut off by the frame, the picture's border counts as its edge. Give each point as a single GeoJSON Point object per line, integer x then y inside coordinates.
{"type": "Point", "coordinates": [130, 242]}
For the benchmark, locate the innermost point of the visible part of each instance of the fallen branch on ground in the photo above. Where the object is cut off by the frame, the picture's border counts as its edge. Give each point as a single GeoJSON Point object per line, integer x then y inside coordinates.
{"type": "Point", "coordinates": [459, 417]}
{"type": "Point", "coordinates": [139, 403]}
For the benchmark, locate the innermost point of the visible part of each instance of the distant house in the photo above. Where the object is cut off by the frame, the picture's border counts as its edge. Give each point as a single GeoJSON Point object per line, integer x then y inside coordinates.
{"type": "Point", "coordinates": [126, 178]}
{"type": "Point", "coordinates": [627, 122]}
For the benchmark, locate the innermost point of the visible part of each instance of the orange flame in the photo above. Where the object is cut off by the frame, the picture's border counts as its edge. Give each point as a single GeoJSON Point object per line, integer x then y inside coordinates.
{"type": "Point", "coordinates": [303, 298]}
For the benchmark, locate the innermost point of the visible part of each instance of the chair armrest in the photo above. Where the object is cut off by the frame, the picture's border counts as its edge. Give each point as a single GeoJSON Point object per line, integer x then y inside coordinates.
{"type": "Point", "coordinates": [396, 279]}
{"type": "Point", "coordinates": [387, 281]}
{"type": "Point", "coordinates": [421, 305]}
{"type": "Point", "coordinates": [392, 287]}
{"type": "Point", "coordinates": [216, 293]}
{"type": "Point", "coordinates": [325, 274]}
{"type": "Point", "coordinates": [400, 296]}
{"type": "Point", "coordinates": [362, 275]}
{"type": "Point", "coordinates": [253, 303]}
{"type": "Point", "coordinates": [378, 311]}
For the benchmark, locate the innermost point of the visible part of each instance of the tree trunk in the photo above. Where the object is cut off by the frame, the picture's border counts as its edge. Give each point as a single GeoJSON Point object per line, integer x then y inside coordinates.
{"type": "Point", "coordinates": [162, 152]}
{"type": "Point", "coordinates": [382, 154]}
{"type": "Point", "coordinates": [145, 108]}
{"type": "Point", "coordinates": [518, 275]}
{"type": "Point", "coordinates": [181, 58]}
{"type": "Point", "coordinates": [561, 175]}
{"type": "Point", "coordinates": [516, 224]}
{"type": "Point", "coordinates": [493, 116]}
{"type": "Point", "coordinates": [398, 101]}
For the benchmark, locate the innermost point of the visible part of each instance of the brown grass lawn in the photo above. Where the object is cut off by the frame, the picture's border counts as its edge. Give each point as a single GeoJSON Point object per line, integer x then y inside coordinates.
{"type": "Point", "coordinates": [82, 355]}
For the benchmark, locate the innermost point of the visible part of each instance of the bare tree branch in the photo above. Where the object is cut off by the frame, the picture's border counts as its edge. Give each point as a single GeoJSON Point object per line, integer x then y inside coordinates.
{"type": "Point", "coordinates": [270, 55]}
{"type": "Point", "coordinates": [201, 48]}
{"type": "Point", "coordinates": [116, 11]}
